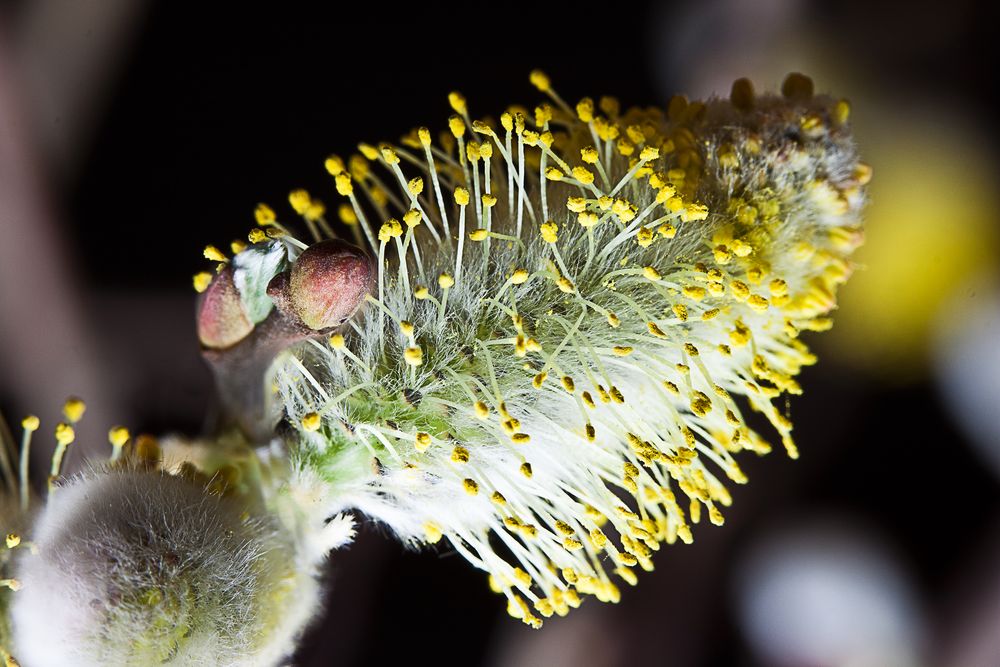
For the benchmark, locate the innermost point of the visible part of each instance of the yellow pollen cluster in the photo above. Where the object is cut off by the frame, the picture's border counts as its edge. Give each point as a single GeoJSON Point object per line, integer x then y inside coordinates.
{"type": "Point", "coordinates": [579, 306]}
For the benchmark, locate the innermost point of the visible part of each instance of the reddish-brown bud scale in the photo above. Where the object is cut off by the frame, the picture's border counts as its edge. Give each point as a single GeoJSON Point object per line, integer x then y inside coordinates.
{"type": "Point", "coordinates": [326, 285]}
{"type": "Point", "coordinates": [222, 319]}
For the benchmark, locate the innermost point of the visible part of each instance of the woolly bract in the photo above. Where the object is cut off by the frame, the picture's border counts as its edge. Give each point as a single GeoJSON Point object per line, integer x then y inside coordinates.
{"type": "Point", "coordinates": [136, 568]}
{"type": "Point", "coordinates": [575, 309]}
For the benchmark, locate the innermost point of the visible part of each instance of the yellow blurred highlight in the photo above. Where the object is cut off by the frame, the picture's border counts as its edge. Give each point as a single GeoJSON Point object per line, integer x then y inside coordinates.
{"type": "Point", "coordinates": [931, 225]}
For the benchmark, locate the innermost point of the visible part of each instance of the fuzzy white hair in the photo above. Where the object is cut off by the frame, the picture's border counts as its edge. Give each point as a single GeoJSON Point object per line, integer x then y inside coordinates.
{"type": "Point", "coordinates": [135, 567]}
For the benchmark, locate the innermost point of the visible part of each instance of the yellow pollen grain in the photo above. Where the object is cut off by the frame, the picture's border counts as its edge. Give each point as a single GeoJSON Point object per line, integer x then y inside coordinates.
{"type": "Point", "coordinates": [311, 422]}
{"type": "Point", "coordinates": [202, 281]}
{"type": "Point", "coordinates": [413, 356]}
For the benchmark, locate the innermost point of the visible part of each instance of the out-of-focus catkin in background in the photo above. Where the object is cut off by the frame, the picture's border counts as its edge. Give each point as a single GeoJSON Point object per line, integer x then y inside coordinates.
{"type": "Point", "coordinates": [133, 133]}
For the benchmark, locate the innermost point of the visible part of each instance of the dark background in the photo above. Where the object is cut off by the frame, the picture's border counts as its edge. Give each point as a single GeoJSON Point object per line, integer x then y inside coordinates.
{"type": "Point", "coordinates": [206, 111]}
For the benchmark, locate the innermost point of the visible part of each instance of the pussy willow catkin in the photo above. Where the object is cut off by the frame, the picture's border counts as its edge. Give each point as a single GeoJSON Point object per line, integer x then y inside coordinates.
{"type": "Point", "coordinates": [549, 344]}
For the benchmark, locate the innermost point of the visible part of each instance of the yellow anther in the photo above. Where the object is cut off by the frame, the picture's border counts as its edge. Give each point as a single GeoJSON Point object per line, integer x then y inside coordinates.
{"type": "Point", "coordinates": [457, 126]}
{"type": "Point", "coordinates": [482, 410]}
{"type": "Point", "coordinates": [644, 237]}
{"type": "Point", "coordinates": [605, 202]}
{"type": "Point", "coordinates": [521, 438]}
{"type": "Point", "coordinates": [728, 157]}
{"type": "Point", "coordinates": [649, 153]}
{"type": "Point", "coordinates": [424, 135]}
{"type": "Point", "coordinates": [549, 231]}
{"type": "Point", "coordinates": [568, 384]}
{"type": "Point", "coordinates": [540, 80]}
{"type": "Point", "coordinates": [264, 215]}
{"type": "Point", "coordinates": [257, 235]}
{"type": "Point", "coordinates": [655, 330]}
{"type": "Point", "coordinates": [369, 151]}
{"type": "Point", "coordinates": [313, 212]}
{"type": "Point", "coordinates": [598, 538]}
{"type": "Point", "coordinates": [747, 214]}
{"type": "Point", "coordinates": [613, 320]}
{"type": "Point", "coordinates": [585, 110]}
{"type": "Point", "coordinates": [489, 200]}
{"type": "Point", "coordinates": [415, 186]}
{"type": "Point", "coordinates": [478, 235]}
{"type": "Point", "coordinates": [588, 219]}
{"type": "Point", "coordinates": [576, 204]}
{"type": "Point", "coordinates": [710, 314]}
{"type": "Point", "coordinates": [420, 293]}
{"type": "Point", "coordinates": [666, 230]}
{"type": "Point", "coordinates": [553, 174]}
{"type": "Point", "coordinates": [422, 441]}
{"type": "Point", "coordinates": [566, 285]}
{"type": "Point", "coordinates": [758, 303]}
{"type": "Point", "coordinates": [118, 436]}
{"type": "Point", "coordinates": [589, 155]}
{"type": "Point", "coordinates": [214, 254]}
{"type": "Point", "coordinates": [701, 405]}
{"type": "Point", "coordinates": [616, 395]}
{"type": "Point", "coordinates": [651, 273]}
{"type": "Point", "coordinates": [65, 435]}
{"type": "Point", "coordinates": [461, 196]}
{"type": "Point", "coordinates": [507, 121]}
{"type": "Point", "coordinates": [740, 335]}
{"type": "Point", "coordinates": [406, 328]}
{"type": "Point", "coordinates": [519, 277]}
{"type": "Point", "coordinates": [722, 254]}
{"type": "Point", "coordinates": [622, 350]}
{"type": "Point", "coordinates": [432, 533]}
{"type": "Point", "coordinates": [486, 150]}
{"type": "Point", "coordinates": [390, 229]}
{"type": "Point", "coordinates": [526, 470]}
{"type": "Point", "coordinates": [389, 154]}
{"type": "Point", "coordinates": [311, 422]}
{"type": "Point", "coordinates": [694, 212]}
{"type": "Point", "coordinates": [471, 486]}
{"type": "Point", "coordinates": [583, 175]}
{"type": "Point", "coordinates": [472, 151]}
{"type": "Point", "coordinates": [413, 355]}
{"type": "Point", "coordinates": [202, 281]}
{"type": "Point", "coordinates": [412, 217]}
{"type": "Point", "coordinates": [344, 185]}
{"type": "Point", "coordinates": [671, 387]}
{"type": "Point", "coordinates": [30, 423]}
{"type": "Point", "coordinates": [863, 173]}
{"type": "Point", "coordinates": [13, 539]}
{"type": "Point", "coordinates": [300, 200]}
{"type": "Point", "coordinates": [460, 454]}
{"type": "Point", "coordinates": [695, 292]}
{"type": "Point", "coordinates": [445, 281]}
{"type": "Point", "coordinates": [590, 432]}
{"type": "Point", "coordinates": [238, 246]}
{"type": "Point", "coordinates": [539, 380]}
{"type": "Point", "coordinates": [739, 289]}
{"type": "Point", "coordinates": [588, 400]}
{"type": "Point", "coordinates": [337, 341]}
{"type": "Point", "coordinates": [457, 102]}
